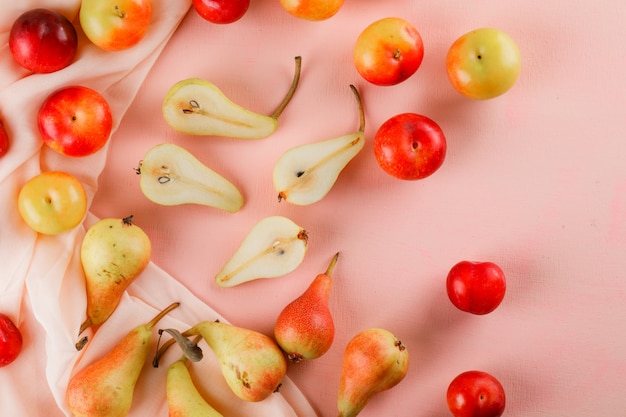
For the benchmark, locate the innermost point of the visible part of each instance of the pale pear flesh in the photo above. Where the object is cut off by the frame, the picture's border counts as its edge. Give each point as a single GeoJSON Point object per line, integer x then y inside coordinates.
{"type": "Point", "coordinates": [273, 247]}
{"type": "Point", "coordinates": [171, 175]}
{"type": "Point", "coordinates": [198, 107]}
{"type": "Point", "coordinates": [305, 174]}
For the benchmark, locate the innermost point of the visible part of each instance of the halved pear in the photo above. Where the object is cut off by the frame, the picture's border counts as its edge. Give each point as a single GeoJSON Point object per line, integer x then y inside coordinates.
{"type": "Point", "coordinates": [305, 174]}
{"type": "Point", "coordinates": [273, 247]}
{"type": "Point", "coordinates": [171, 175]}
{"type": "Point", "coordinates": [198, 107]}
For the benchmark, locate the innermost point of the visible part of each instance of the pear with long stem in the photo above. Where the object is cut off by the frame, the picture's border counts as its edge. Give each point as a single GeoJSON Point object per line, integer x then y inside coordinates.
{"type": "Point", "coordinates": [171, 175]}
{"type": "Point", "coordinates": [198, 107]}
{"type": "Point", "coordinates": [252, 363]}
{"type": "Point", "coordinates": [305, 328]}
{"type": "Point", "coordinates": [105, 387]}
{"type": "Point", "coordinates": [274, 246]}
{"type": "Point", "coordinates": [305, 174]}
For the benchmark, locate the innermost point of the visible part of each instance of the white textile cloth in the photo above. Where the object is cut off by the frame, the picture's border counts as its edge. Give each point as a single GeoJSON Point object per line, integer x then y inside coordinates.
{"type": "Point", "coordinates": [41, 280]}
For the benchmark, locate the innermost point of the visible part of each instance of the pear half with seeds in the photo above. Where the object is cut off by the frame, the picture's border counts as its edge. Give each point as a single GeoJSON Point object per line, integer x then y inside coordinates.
{"type": "Point", "coordinates": [171, 175]}
{"type": "Point", "coordinates": [304, 174]}
{"type": "Point", "coordinates": [198, 107]}
{"type": "Point", "coordinates": [273, 247]}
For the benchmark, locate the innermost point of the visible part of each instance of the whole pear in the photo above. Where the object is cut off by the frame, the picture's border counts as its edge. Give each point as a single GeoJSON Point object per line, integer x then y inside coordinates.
{"type": "Point", "coordinates": [114, 252]}
{"type": "Point", "coordinates": [305, 328]}
{"type": "Point", "coordinates": [375, 360]}
{"type": "Point", "coordinates": [252, 363]}
{"type": "Point", "coordinates": [183, 398]}
{"type": "Point", "coordinates": [105, 387]}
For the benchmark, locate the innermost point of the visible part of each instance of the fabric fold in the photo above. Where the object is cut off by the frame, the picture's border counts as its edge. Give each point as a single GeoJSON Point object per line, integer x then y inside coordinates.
{"type": "Point", "coordinates": [42, 284]}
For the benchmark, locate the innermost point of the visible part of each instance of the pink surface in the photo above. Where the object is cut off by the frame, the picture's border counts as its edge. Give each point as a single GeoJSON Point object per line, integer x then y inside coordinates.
{"type": "Point", "coordinates": [534, 181]}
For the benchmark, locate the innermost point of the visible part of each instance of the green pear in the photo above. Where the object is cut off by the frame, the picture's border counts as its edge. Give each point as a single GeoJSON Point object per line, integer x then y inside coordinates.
{"type": "Point", "coordinates": [171, 175]}
{"type": "Point", "coordinates": [306, 173]}
{"type": "Point", "coordinates": [105, 387]}
{"type": "Point", "coordinates": [374, 361]}
{"type": "Point", "coordinates": [305, 328]}
{"type": "Point", "coordinates": [273, 247]}
{"type": "Point", "coordinates": [113, 253]}
{"type": "Point", "coordinates": [183, 398]}
{"type": "Point", "coordinates": [252, 363]}
{"type": "Point", "coordinates": [198, 107]}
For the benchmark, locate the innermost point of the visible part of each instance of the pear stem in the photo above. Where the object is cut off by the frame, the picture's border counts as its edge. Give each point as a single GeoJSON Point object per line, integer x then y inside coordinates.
{"type": "Point", "coordinates": [194, 341]}
{"type": "Point", "coordinates": [361, 110]}
{"type": "Point", "coordinates": [191, 349]}
{"type": "Point", "coordinates": [332, 264]}
{"type": "Point", "coordinates": [161, 351]}
{"type": "Point", "coordinates": [86, 324]}
{"type": "Point", "coordinates": [162, 314]}
{"type": "Point", "coordinates": [292, 89]}
{"type": "Point", "coordinates": [83, 341]}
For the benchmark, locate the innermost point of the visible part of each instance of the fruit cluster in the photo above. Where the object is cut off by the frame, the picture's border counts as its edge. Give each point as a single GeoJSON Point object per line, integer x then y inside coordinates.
{"type": "Point", "coordinates": [76, 121]}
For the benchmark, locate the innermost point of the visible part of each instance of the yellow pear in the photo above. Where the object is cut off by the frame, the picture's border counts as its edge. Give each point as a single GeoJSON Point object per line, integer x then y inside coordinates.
{"type": "Point", "coordinates": [113, 253]}
{"type": "Point", "coordinates": [105, 387]}
{"type": "Point", "coordinates": [183, 398]}
{"type": "Point", "coordinates": [252, 364]}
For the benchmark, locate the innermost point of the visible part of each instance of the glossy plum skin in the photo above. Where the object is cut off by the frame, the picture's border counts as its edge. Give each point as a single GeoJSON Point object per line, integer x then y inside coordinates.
{"type": "Point", "coordinates": [4, 140]}
{"type": "Point", "coordinates": [312, 10]}
{"type": "Point", "coordinates": [410, 146]}
{"type": "Point", "coordinates": [476, 287]}
{"type": "Point", "coordinates": [10, 341]}
{"type": "Point", "coordinates": [388, 51]}
{"type": "Point", "coordinates": [43, 41]}
{"type": "Point", "coordinates": [221, 11]}
{"type": "Point", "coordinates": [75, 121]}
{"type": "Point", "coordinates": [475, 394]}
{"type": "Point", "coordinates": [483, 63]}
